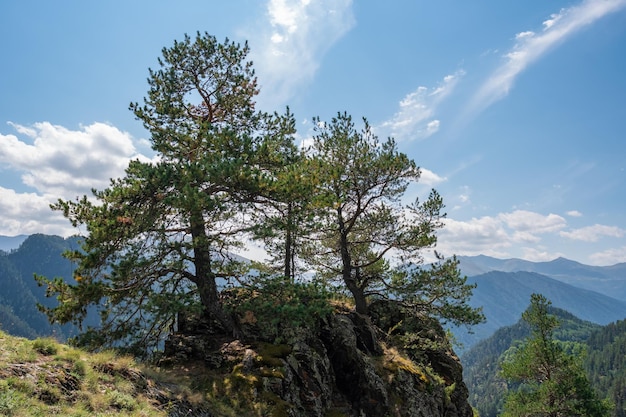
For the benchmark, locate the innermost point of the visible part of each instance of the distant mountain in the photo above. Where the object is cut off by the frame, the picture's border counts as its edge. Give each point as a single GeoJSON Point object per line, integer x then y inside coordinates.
{"type": "Point", "coordinates": [505, 295]}
{"type": "Point", "coordinates": [607, 280]}
{"type": "Point", "coordinates": [37, 254]}
{"type": "Point", "coordinates": [8, 243]}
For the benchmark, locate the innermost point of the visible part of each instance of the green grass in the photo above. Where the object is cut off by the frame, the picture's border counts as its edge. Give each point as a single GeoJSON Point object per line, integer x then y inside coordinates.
{"type": "Point", "coordinates": [45, 378]}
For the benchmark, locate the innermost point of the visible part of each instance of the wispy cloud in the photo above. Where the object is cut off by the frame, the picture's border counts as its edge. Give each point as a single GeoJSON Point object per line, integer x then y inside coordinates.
{"type": "Point", "coordinates": [594, 233]}
{"type": "Point", "coordinates": [531, 46]}
{"type": "Point", "coordinates": [289, 45]}
{"type": "Point", "coordinates": [416, 115]}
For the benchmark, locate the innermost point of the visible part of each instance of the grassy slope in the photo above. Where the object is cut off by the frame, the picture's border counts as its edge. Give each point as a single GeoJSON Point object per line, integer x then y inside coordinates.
{"type": "Point", "coordinates": [42, 378]}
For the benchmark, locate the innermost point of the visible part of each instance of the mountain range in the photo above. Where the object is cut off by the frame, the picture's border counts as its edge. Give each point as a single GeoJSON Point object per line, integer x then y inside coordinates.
{"type": "Point", "coordinates": [596, 294]}
{"type": "Point", "coordinates": [20, 293]}
{"type": "Point", "coordinates": [504, 286]}
{"type": "Point", "coordinates": [607, 280]}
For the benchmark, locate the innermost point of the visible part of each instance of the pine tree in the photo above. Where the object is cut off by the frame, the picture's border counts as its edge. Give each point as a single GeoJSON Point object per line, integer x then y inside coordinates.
{"type": "Point", "coordinates": [367, 238]}
{"type": "Point", "coordinates": [159, 239]}
{"type": "Point", "coordinates": [546, 380]}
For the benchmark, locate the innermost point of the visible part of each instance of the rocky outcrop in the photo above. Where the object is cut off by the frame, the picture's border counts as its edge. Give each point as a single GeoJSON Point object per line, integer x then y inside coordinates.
{"type": "Point", "coordinates": [349, 367]}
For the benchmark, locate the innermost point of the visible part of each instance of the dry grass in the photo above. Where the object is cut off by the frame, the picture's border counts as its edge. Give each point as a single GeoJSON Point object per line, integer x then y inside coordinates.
{"type": "Point", "coordinates": [44, 378]}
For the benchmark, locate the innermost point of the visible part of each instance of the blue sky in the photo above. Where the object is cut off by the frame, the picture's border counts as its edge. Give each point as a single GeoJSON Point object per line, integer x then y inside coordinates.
{"type": "Point", "coordinates": [516, 111]}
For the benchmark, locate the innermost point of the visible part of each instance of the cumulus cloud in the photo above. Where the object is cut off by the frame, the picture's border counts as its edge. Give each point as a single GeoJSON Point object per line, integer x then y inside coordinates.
{"type": "Point", "coordinates": [293, 40]}
{"type": "Point", "coordinates": [531, 222]}
{"type": "Point", "coordinates": [485, 235]}
{"type": "Point", "coordinates": [28, 213]}
{"type": "Point", "coordinates": [429, 178]}
{"type": "Point", "coordinates": [530, 46]}
{"type": "Point", "coordinates": [594, 233]}
{"type": "Point", "coordinates": [574, 213]}
{"type": "Point", "coordinates": [58, 163]}
{"type": "Point", "coordinates": [415, 118]}
{"type": "Point", "coordinates": [495, 235]}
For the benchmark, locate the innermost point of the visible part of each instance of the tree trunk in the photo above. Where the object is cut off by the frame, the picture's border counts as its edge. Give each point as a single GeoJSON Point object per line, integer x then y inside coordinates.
{"type": "Point", "coordinates": [205, 277]}
{"type": "Point", "coordinates": [349, 279]}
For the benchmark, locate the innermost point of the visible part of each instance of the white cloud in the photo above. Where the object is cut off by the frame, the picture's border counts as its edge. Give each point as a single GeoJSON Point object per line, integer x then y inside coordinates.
{"type": "Point", "coordinates": [28, 213]}
{"type": "Point", "coordinates": [415, 118]}
{"type": "Point", "coordinates": [530, 46]}
{"type": "Point", "coordinates": [65, 163]}
{"type": "Point", "coordinates": [593, 233]}
{"type": "Point", "coordinates": [574, 213]}
{"type": "Point", "coordinates": [609, 256]}
{"type": "Point", "coordinates": [429, 178]}
{"type": "Point", "coordinates": [58, 163]}
{"type": "Point", "coordinates": [539, 255]}
{"type": "Point", "coordinates": [497, 235]}
{"type": "Point", "coordinates": [485, 235]}
{"type": "Point", "coordinates": [531, 222]}
{"type": "Point", "coordinates": [292, 43]}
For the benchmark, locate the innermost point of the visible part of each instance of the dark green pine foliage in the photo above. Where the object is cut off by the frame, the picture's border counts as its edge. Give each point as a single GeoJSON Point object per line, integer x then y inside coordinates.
{"type": "Point", "coordinates": [159, 239]}
{"type": "Point", "coordinates": [284, 216]}
{"type": "Point", "coordinates": [547, 380]}
{"type": "Point", "coordinates": [365, 231]}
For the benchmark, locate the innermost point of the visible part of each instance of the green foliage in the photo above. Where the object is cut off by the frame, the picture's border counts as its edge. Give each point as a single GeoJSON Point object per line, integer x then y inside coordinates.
{"type": "Point", "coordinates": [547, 380]}
{"type": "Point", "coordinates": [160, 240]}
{"type": "Point", "coordinates": [481, 362]}
{"type": "Point", "coordinates": [437, 290]}
{"type": "Point", "coordinates": [278, 306]}
{"type": "Point", "coordinates": [45, 346]}
{"type": "Point", "coordinates": [367, 239]}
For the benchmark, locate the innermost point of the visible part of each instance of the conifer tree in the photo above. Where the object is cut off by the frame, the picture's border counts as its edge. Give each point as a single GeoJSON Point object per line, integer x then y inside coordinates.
{"type": "Point", "coordinates": [548, 381]}
{"type": "Point", "coordinates": [367, 238]}
{"type": "Point", "coordinates": [159, 239]}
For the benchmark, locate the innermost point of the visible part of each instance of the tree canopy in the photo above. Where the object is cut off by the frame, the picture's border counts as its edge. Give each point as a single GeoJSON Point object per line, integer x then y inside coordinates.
{"type": "Point", "coordinates": [160, 240]}
{"type": "Point", "coordinates": [548, 381]}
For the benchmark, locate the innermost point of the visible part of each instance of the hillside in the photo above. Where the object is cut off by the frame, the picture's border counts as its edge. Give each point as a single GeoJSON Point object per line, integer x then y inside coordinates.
{"type": "Point", "coordinates": [341, 370]}
{"type": "Point", "coordinates": [504, 296]}
{"type": "Point", "coordinates": [37, 254]}
{"type": "Point", "coordinates": [42, 377]}
{"type": "Point", "coordinates": [605, 361]}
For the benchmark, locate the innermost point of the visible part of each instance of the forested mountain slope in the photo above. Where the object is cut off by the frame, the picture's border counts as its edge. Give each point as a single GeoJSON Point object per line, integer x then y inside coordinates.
{"type": "Point", "coordinates": [38, 254]}
{"type": "Point", "coordinates": [605, 361]}
{"type": "Point", "coordinates": [504, 296]}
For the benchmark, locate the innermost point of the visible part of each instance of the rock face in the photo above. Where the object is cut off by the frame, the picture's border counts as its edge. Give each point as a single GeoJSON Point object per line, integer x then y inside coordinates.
{"type": "Point", "coordinates": [349, 367]}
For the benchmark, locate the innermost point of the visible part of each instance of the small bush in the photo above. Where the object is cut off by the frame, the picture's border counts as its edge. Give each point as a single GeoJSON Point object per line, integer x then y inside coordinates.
{"type": "Point", "coordinates": [277, 306]}
{"type": "Point", "coordinates": [122, 401]}
{"type": "Point", "coordinates": [46, 346]}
